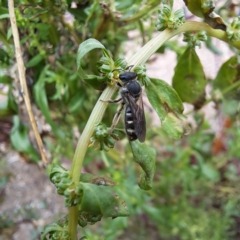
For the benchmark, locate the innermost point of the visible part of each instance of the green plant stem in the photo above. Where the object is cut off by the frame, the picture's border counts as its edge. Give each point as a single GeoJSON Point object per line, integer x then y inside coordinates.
{"type": "Point", "coordinates": [153, 45]}
{"type": "Point", "coordinates": [83, 143]}
{"type": "Point", "coordinates": [91, 14]}
{"type": "Point", "coordinates": [71, 30]}
{"type": "Point", "coordinates": [198, 26]}
{"type": "Point", "coordinates": [142, 12]}
{"type": "Point", "coordinates": [224, 92]}
{"type": "Point", "coordinates": [231, 87]}
{"type": "Point", "coordinates": [81, 149]}
{"type": "Point", "coordinates": [139, 58]}
{"type": "Point", "coordinates": [73, 222]}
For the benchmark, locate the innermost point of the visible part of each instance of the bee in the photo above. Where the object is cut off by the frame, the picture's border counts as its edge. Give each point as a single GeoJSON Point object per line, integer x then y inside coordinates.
{"type": "Point", "coordinates": [131, 99]}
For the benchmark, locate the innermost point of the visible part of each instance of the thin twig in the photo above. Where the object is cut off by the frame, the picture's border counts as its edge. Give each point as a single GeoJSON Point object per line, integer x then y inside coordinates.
{"type": "Point", "coordinates": [22, 77]}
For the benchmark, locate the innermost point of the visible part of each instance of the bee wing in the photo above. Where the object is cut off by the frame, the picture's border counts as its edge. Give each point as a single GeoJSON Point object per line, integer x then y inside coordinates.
{"type": "Point", "coordinates": [138, 117]}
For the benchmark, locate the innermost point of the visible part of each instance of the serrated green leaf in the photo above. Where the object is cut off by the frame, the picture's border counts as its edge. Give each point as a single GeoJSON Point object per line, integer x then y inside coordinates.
{"type": "Point", "coordinates": [41, 100]}
{"type": "Point", "coordinates": [226, 76]}
{"type": "Point", "coordinates": [189, 79]}
{"type": "Point", "coordinates": [166, 102]}
{"type": "Point", "coordinates": [20, 141]}
{"type": "Point", "coordinates": [101, 200]}
{"type": "Point", "coordinates": [145, 156]}
{"type": "Point", "coordinates": [84, 48]}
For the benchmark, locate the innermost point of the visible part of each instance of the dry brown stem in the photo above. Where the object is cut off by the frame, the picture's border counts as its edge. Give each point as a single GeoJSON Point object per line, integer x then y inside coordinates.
{"type": "Point", "coordinates": [22, 77]}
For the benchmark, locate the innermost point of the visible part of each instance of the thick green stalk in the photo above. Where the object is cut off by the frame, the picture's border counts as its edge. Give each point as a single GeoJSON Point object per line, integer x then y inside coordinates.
{"type": "Point", "coordinates": [73, 222]}
{"type": "Point", "coordinates": [81, 149]}
{"type": "Point", "coordinates": [83, 143]}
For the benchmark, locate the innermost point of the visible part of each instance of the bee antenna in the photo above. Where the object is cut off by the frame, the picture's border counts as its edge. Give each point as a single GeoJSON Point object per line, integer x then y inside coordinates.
{"type": "Point", "coordinates": [129, 67]}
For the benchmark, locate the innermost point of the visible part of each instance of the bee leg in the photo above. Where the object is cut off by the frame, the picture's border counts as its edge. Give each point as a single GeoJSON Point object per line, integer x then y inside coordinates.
{"type": "Point", "coordinates": [116, 118]}
{"type": "Point", "coordinates": [129, 67]}
{"type": "Point", "coordinates": [112, 101]}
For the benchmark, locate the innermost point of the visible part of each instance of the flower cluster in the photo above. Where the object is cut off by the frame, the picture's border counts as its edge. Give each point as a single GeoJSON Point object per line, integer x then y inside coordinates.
{"type": "Point", "coordinates": [167, 19]}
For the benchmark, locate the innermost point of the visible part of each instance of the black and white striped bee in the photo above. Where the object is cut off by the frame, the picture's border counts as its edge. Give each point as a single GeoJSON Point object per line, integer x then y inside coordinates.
{"type": "Point", "coordinates": [131, 96]}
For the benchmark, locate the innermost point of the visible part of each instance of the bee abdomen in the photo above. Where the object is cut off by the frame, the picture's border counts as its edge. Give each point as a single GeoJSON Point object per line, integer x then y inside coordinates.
{"type": "Point", "coordinates": [129, 125]}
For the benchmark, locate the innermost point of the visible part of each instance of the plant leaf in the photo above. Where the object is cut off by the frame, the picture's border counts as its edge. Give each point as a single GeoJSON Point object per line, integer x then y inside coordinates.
{"type": "Point", "coordinates": [5, 79]}
{"type": "Point", "coordinates": [77, 101]}
{"type": "Point", "coordinates": [34, 61]}
{"type": "Point", "coordinates": [84, 48]}
{"type": "Point", "coordinates": [4, 56]}
{"type": "Point", "coordinates": [41, 100]}
{"type": "Point", "coordinates": [226, 76]}
{"type": "Point", "coordinates": [98, 180]}
{"type": "Point", "coordinates": [20, 140]}
{"type": "Point", "coordinates": [168, 105]}
{"type": "Point", "coordinates": [210, 172]}
{"type": "Point", "coordinates": [5, 110]}
{"type": "Point", "coordinates": [145, 156]}
{"type": "Point", "coordinates": [100, 200]}
{"type": "Point", "coordinates": [11, 100]}
{"type": "Point", "coordinates": [4, 40]}
{"type": "Point", "coordinates": [55, 230]}
{"type": "Point", "coordinates": [189, 79]}
{"type": "Point", "coordinates": [4, 13]}
{"type": "Point", "coordinates": [204, 9]}
{"type": "Point", "coordinates": [8, 107]}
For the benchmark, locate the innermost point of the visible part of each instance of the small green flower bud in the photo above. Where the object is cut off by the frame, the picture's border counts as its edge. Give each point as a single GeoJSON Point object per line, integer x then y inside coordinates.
{"type": "Point", "coordinates": [233, 30]}
{"type": "Point", "coordinates": [120, 63]}
{"type": "Point", "coordinates": [194, 39]}
{"type": "Point", "coordinates": [167, 19]}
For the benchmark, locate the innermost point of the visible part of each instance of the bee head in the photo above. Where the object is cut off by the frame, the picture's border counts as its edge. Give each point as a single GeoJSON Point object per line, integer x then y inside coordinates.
{"type": "Point", "coordinates": [127, 76]}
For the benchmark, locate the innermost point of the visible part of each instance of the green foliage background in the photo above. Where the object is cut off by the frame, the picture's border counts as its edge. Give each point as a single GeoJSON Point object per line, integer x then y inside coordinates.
{"type": "Point", "coordinates": [195, 190]}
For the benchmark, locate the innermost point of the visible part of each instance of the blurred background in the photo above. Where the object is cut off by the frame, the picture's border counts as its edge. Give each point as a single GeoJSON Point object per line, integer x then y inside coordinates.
{"type": "Point", "coordinates": [196, 189]}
